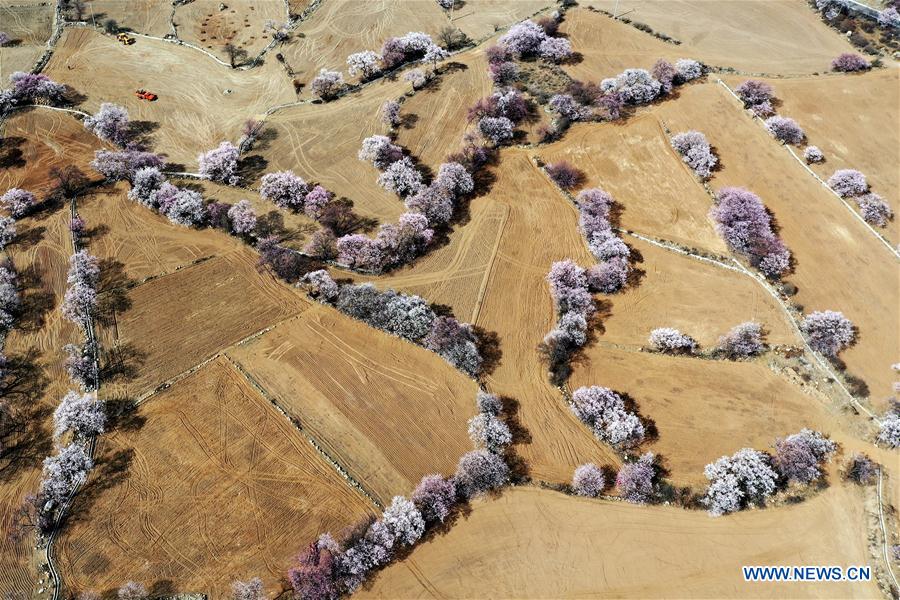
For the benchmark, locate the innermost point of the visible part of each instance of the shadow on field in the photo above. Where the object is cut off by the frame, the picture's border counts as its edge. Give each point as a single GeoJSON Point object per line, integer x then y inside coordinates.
{"type": "Point", "coordinates": [23, 440]}
{"type": "Point", "coordinates": [36, 299]}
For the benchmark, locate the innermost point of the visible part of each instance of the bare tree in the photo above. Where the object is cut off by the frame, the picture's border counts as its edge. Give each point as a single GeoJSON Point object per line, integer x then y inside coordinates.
{"type": "Point", "coordinates": [235, 53]}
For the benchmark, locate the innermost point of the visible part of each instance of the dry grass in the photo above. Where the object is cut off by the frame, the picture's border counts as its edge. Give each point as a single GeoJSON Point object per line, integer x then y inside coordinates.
{"type": "Point", "coordinates": [241, 24]}
{"type": "Point", "coordinates": [840, 265]}
{"type": "Point", "coordinates": [203, 484]}
{"type": "Point", "coordinates": [647, 552]}
{"type": "Point", "coordinates": [201, 103]}
{"type": "Point", "coordinates": [388, 411]}
{"type": "Point", "coordinates": [30, 25]}
{"type": "Point", "coordinates": [175, 322]}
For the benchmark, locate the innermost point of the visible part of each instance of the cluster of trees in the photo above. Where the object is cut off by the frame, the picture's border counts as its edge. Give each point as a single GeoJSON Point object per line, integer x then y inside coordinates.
{"type": "Point", "coordinates": [220, 164]}
{"type": "Point", "coordinates": [696, 152]}
{"type": "Point", "coordinates": [574, 309]}
{"type": "Point", "coordinates": [30, 88]}
{"type": "Point", "coordinates": [80, 301]}
{"type": "Point", "coordinates": [498, 114]}
{"type": "Point", "coordinates": [18, 202]}
{"type": "Point", "coordinates": [528, 39]}
{"type": "Point", "coordinates": [430, 206]}
{"type": "Point", "coordinates": [110, 124]}
{"type": "Point", "coordinates": [850, 183]}
{"type": "Point", "coordinates": [850, 62]}
{"type": "Point", "coordinates": [745, 225]}
{"type": "Point", "coordinates": [587, 101]}
{"type": "Point", "coordinates": [828, 331]}
{"type": "Point", "coordinates": [604, 411]}
{"type": "Point", "coordinates": [742, 341]}
{"type": "Point", "coordinates": [329, 569]}
{"type": "Point", "coordinates": [406, 316]}
{"type": "Point", "coordinates": [611, 274]}
{"type": "Point", "coordinates": [750, 476]}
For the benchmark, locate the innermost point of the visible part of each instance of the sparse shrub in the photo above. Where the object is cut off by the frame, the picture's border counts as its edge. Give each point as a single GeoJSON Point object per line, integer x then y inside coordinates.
{"type": "Point", "coordinates": [812, 154]}
{"type": "Point", "coordinates": [672, 341]}
{"type": "Point", "coordinates": [798, 456]}
{"type": "Point", "coordinates": [588, 480]}
{"type": "Point", "coordinates": [735, 481]}
{"type": "Point", "coordinates": [564, 174]}
{"type": "Point", "coordinates": [849, 62]}
{"type": "Point", "coordinates": [742, 341]}
{"type": "Point", "coordinates": [828, 331]}
{"type": "Point", "coordinates": [635, 479]}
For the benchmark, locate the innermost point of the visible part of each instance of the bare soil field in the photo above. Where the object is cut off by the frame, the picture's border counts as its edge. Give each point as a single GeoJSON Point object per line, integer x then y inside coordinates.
{"type": "Point", "coordinates": [39, 139]}
{"type": "Point", "coordinates": [320, 143]}
{"type": "Point", "coordinates": [219, 485]}
{"type": "Point", "coordinates": [779, 36]}
{"type": "Point", "coordinates": [29, 25]}
{"type": "Point", "coordinates": [558, 540]}
{"type": "Point", "coordinates": [387, 411]}
{"type": "Point", "coordinates": [41, 259]}
{"type": "Point", "coordinates": [700, 299]}
{"type": "Point", "coordinates": [656, 191]}
{"type": "Point", "coordinates": [175, 322]}
{"type": "Point", "coordinates": [134, 242]}
{"type": "Point", "coordinates": [150, 17]}
{"type": "Point", "coordinates": [201, 103]}
{"type": "Point", "coordinates": [241, 23]}
{"type": "Point", "coordinates": [822, 107]}
{"type": "Point", "coordinates": [830, 250]}
{"type": "Point", "coordinates": [703, 409]}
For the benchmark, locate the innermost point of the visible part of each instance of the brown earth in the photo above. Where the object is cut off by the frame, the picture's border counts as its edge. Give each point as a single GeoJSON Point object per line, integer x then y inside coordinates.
{"type": "Point", "coordinates": [387, 411]}
{"type": "Point", "coordinates": [172, 323]}
{"type": "Point", "coordinates": [201, 103]}
{"type": "Point", "coordinates": [703, 409]}
{"type": "Point", "coordinates": [568, 547]}
{"type": "Point", "coordinates": [218, 485]}
{"type": "Point", "coordinates": [29, 25]}
{"type": "Point", "coordinates": [830, 250]}
{"type": "Point", "coordinates": [778, 36]}
{"type": "Point", "coordinates": [242, 24]}
{"type": "Point", "coordinates": [822, 107]}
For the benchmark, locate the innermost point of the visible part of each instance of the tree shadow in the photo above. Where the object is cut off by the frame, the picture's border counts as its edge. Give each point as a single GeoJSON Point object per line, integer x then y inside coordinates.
{"type": "Point", "coordinates": [121, 362]}
{"type": "Point", "coordinates": [265, 138]}
{"type": "Point", "coordinates": [25, 442]}
{"type": "Point", "coordinates": [409, 120]}
{"type": "Point", "coordinates": [141, 133]}
{"type": "Point", "coordinates": [489, 349]}
{"type": "Point", "coordinates": [110, 470]}
{"type": "Point", "coordinates": [11, 155]}
{"type": "Point", "coordinates": [251, 167]}
{"type": "Point", "coordinates": [36, 300]}
{"type": "Point", "coordinates": [113, 292]}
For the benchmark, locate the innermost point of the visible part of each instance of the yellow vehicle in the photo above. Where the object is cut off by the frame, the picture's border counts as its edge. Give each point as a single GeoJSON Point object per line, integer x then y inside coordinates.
{"type": "Point", "coordinates": [125, 39]}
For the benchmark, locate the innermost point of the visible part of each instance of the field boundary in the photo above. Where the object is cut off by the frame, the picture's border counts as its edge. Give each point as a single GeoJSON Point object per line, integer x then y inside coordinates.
{"type": "Point", "coordinates": [846, 204]}
{"type": "Point", "coordinates": [352, 481]}
{"type": "Point", "coordinates": [884, 536]}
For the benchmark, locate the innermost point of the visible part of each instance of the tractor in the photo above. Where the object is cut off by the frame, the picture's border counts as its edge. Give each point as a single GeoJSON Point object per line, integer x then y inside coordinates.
{"type": "Point", "coordinates": [145, 95]}
{"type": "Point", "coordinates": [125, 39]}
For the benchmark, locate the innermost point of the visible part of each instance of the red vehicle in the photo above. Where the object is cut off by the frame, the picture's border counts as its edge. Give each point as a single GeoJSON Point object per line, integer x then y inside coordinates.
{"type": "Point", "coordinates": [145, 95]}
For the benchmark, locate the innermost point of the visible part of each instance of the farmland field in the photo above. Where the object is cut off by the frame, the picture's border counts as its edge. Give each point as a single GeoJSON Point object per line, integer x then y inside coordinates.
{"type": "Point", "coordinates": [218, 383]}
